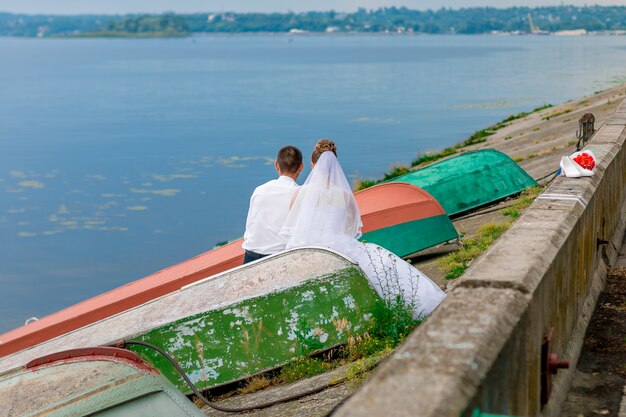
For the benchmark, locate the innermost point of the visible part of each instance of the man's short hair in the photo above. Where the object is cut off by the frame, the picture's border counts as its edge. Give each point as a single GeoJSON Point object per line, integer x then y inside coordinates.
{"type": "Point", "coordinates": [289, 159]}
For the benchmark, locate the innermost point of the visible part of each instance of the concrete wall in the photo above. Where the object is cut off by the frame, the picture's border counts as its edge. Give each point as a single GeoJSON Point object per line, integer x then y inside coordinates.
{"type": "Point", "coordinates": [482, 347]}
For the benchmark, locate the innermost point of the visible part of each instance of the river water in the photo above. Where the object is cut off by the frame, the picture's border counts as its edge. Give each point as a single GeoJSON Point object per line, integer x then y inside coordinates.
{"type": "Point", "coordinates": [119, 157]}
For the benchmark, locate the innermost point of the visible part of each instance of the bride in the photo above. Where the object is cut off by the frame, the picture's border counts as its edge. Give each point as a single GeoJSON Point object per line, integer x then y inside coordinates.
{"type": "Point", "coordinates": [324, 213]}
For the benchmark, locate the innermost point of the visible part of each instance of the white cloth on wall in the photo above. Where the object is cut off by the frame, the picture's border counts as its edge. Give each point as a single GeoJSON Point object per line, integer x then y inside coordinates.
{"type": "Point", "coordinates": [570, 168]}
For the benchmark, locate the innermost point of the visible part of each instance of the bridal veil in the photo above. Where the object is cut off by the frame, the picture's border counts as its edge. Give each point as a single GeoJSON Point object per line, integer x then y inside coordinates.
{"type": "Point", "coordinates": [324, 212]}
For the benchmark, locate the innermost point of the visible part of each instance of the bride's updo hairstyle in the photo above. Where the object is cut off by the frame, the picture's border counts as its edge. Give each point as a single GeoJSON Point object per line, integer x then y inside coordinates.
{"type": "Point", "coordinates": [323, 145]}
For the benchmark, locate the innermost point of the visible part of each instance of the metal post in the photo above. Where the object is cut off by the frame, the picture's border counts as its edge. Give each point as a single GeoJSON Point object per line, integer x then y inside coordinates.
{"type": "Point", "coordinates": [585, 130]}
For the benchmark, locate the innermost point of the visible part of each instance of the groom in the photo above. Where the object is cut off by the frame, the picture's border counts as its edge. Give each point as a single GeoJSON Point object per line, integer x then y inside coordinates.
{"type": "Point", "coordinates": [269, 206]}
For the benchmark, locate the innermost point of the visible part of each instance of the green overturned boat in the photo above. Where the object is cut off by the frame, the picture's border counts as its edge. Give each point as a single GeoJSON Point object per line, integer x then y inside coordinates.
{"type": "Point", "coordinates": [470, 180]}
{"type": "Point", "coordinates": [238, 323]}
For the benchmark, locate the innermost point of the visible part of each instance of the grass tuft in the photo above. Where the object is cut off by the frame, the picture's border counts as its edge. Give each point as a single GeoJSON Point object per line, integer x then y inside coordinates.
{"type": "Point", "coordinates": [525, 199]}
{"type": "Point", "coordinates": [478, 137]}
{"type": "Point", "coordinates": [363, 184]}
{"type": "Point", "coordinates": [454, 264]}
{"type": "Point", "coordinates": [303, 368]}
{"type": "Point", "coordinates": [511, 212]}
{"type": "Point", "coordinates": [524, 114]}
{"type": "Point", "coordinates": [256, 383]}
{"type": "Point", "coordinates": [396, 170]}
{"type": "Point", "coordinates": [392, 321]}
{"type": "Point", "coordinates": [556, 114]}
{"type": "Point", "coordinates": [357, 371]}
{"type": "Point", "coordinates": [430, 157]}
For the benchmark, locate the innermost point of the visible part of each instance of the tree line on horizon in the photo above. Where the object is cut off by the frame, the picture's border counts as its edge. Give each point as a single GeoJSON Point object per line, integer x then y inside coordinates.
{"type": "Point", "coordinates": [389, 19]}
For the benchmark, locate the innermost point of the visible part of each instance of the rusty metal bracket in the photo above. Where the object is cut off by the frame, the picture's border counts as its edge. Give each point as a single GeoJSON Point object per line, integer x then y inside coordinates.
{"type": "Point", "coordinates": [585, 130]}
{"type": "Point", "coordinates": [550, 365]}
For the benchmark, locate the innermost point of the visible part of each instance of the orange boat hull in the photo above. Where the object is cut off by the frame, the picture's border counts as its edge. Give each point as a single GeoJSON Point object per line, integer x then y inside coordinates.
{"type": "Point", "coordinates": [389, 204]}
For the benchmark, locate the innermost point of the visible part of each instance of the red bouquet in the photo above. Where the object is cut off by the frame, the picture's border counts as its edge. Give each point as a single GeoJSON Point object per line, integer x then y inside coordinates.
{"type": "Point", "coordinates": [585, 160]}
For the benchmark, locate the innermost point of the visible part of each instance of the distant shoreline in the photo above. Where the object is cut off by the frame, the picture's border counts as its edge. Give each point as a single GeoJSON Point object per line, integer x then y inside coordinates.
{"type": "Point", "coordinates": [558, 20]}
{"type": "Point", "coordinates": [124, 35]}
{"type": "Point", "coordinates": [165, 35]}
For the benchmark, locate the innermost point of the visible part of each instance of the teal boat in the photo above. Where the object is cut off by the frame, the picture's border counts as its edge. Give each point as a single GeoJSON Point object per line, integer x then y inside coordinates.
{"type": "Point", "coordinates": [470, 180]}
{"type": "Point", "coordinates": [238, 323]}
{"type": "Point", "coordinates": [106, 382]}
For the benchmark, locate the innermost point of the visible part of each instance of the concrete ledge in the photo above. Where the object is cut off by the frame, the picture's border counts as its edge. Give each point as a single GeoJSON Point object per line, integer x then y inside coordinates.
{"type": "Point", "coordinates": [436, 370]}
{"type": "Point", "coordinates": [482, 347]}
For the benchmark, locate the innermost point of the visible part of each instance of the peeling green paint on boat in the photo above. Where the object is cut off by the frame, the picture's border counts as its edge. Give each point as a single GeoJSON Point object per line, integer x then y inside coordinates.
{"type": "Point", "coordinates": [470, 180]}
{"type": "Point", "coordinates": [262, 333]}
{"type": "Point", "coordinates": [258, 279]}
{"type": "Point", "coordinates": [407, 238]}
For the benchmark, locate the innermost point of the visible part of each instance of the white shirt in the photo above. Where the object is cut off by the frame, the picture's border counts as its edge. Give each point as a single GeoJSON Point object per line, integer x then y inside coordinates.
{"type": "Point", "coordinates": [269, 206]}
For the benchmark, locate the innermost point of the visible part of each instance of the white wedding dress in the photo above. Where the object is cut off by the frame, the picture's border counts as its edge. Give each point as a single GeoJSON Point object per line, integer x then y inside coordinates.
{"type": "Point", "coordinates": [325, 213]}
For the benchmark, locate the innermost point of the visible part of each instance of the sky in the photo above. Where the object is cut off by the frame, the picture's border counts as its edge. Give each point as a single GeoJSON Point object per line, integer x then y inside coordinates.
{"type": "Point", "coordinates": [190, 6]}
